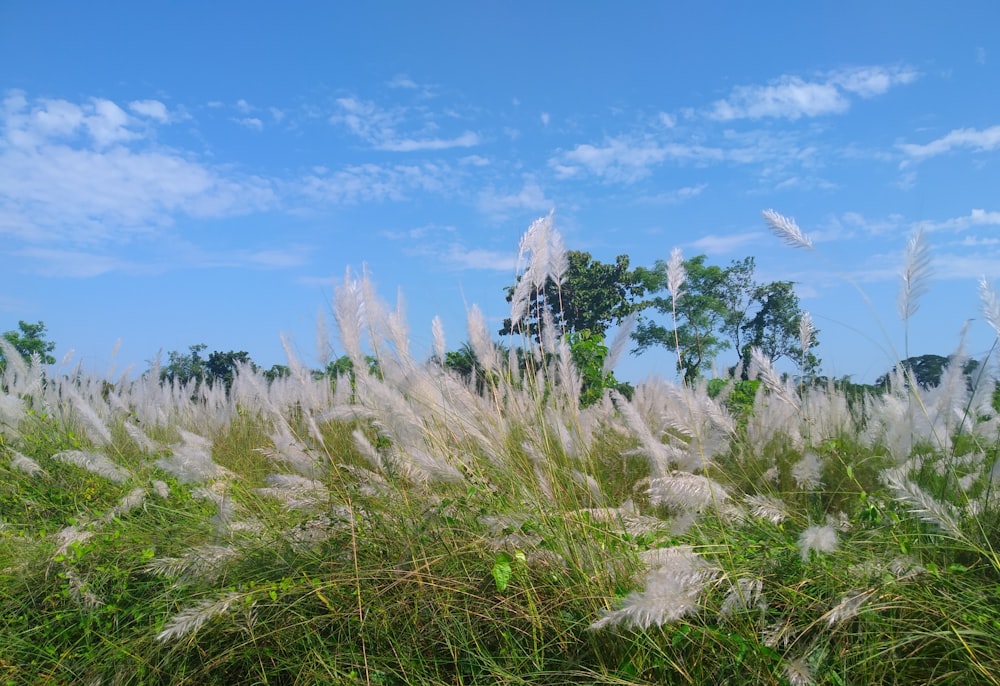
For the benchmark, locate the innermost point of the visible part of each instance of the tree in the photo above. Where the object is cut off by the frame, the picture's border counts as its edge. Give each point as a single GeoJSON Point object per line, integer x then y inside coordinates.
{"type": "Point", "coordinates": [185, 367]}
{"type": "Point", "coordinates": [723, 308]}
{"type": "Point", "coordinates": [29, 340]}
{"type": "Point", "coordinates": [706, 309]}
{"type": "Point", "coordinates": [774, 327]}
{"type": "Point", "coordinates": [593, 296]}
{"type": "Point", "coordinates": [218, 367]}
{"type": "Point", "coordinates": [222, 366]}
{"type": "Point", "coordinates": [927, 370]}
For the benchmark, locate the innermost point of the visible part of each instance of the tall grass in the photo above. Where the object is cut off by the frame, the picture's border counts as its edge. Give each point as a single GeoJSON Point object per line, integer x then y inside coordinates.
{"type": "Point", "coordinates": [403, 526]}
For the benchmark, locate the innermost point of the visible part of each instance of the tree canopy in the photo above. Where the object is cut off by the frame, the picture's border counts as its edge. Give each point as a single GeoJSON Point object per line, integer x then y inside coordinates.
{"type": "Point", "coordinates": [29, 339]}
{"type": "Point", "coordinates": [218, 367]}
{"type": "Point", "coordinates": [593, 296]}
{"type": "Point", "coordinates": [723, 308]}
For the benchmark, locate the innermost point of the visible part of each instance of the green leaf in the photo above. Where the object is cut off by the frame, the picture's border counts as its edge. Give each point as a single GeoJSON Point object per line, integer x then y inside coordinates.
{"type": "Point", "coordinates": [502, 571]}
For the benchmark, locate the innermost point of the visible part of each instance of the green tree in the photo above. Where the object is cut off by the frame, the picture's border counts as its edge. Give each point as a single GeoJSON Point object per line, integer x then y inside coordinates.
{"type": "Point", "coordinates": [722, 308]}
{"type": "Point", "coordinates": [185, 367]}
{"type": "Point", "coordinates": [927, 370]}
{"type": "Point", "coordinates": [589, 352]}
{"type": "Point", "coordinates": [593, 295]}
{"type": "Point", "coordinates": [28, 340]}
{"type": "Point", "coordinates": [771, 323]}
{"type": "Point", "coordinates": [221, 366]}
{"type": "Point", "coordinates": [708, 307]}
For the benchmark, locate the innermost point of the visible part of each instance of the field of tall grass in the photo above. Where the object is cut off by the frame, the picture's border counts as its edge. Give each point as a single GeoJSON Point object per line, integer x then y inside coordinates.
{"type": "Point", "coordinates": [404, 526]}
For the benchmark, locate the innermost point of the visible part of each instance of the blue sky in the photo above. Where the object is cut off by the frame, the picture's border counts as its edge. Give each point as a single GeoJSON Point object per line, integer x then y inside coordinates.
{"type": "Point", "coordinates": [182, 172]}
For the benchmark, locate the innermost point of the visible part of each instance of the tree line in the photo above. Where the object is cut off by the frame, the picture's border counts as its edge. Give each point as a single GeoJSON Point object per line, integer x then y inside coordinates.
{"type": "Point", "coordinates": [715, 309]}
{"type": "Point", "coordinates": [707, 312]}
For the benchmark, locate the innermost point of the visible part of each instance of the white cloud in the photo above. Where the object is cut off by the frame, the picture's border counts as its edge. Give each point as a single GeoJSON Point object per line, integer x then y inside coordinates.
{"type": "Point", "coordinates": [474, 161]}
{"type": "Point", "coordinates": [402, 81]}
{"type": "Point", "coordinates": [251, 123]}
{"type": "Point", "coordinates": [967, 267]}
{"type": "Point", "coordinates": [668, 121]}
{"type": "Point", "coordinates": [460, 257]}
{"type": "Point", "coordinates": [467, 139]}
{"type": "Point", "coordinates": [980, 55]}
{"type": "Point", "coordinates": [53, 262]}
{"type": "Point", "coordinates": [979, 141]}
{"type": "Point", "coordinates": [792, 97]}
{"type": "Point", "coordinates": [28, 125]}
{"type": "Point", "coordinates": [500, 205]}
{"type": "Point", "coordinates": [545, 118]}
{"type": "Point", "coordinates": [979, 241]}
{"type": "Point", "coordinates": [723, 245]}
{"type": "Point", "coordinates": [892, 223]}
{"type": "Point", "coordinates": [374, 183]}
{"type": "Point", "coordinates": [789, 97]}
{"type": "Point", "coordinates": [625, 159]}
{"type": "Point", "coordinates": [379, 126]}
{"type": "Point", "coordinates": [84, 173]}
{"type": "Point", "coordinates": [154, 109]}
{"type": "Point", "coordinates": [871, 81]}
{"type": "Point", "coordinates": [678, 195]}
{"type": "Point", "coordinates": [976, 217]}
{"type": "Point", "coordinates": [243, 106]}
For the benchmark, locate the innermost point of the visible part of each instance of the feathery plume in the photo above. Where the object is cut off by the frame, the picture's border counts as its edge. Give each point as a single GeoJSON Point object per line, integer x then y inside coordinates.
{"type": "Point", "coordinates": [190, 620]}
{"type": "Point", "coordinates": [921, 503]}
{"type": "Point", "coordinates": [848, 607]}
{"type": "Point", "coordinates": [322, 338]}
{"type": "Point", "coordinates": [798, 672]}
{"type": "Point", "coordinates": [990, 303]}
{"type": "Point", "coordinates": [25, 464]}
{"type": "Point", "coordinates": [95, 463]}
{"type": "Point", "coordinates": [676, 273]}
{"type": "Point", "coordinates": [761, 368]}
{"type": "Point", "coordinates": [807, 332]}
{"type": "Point", "coordinates": [558, 257]}
{"type": "Point", "coordinates": [349, 311]}
{"type": "Point", "coordinates": [440, 344]}
{"type": "Point", "coordinates": [203, 563]}
{"type": "Point", "coordinates": [672, 590]}
{"type": "Point", "coordinates": [767, 507]}
{"type": "Point", "coordinates": [915, 275]}
{"type": "Point", "coordinates": [808, 472]}
{"type": "Point", "coordinates": [787, 230]}
{"type": "Point", "coordinates": [480, 341]}
{"type": "Point", "coordinates": [80, 591]}
{"type": "Point", "coordinates": [619, 343]}
{"type": "Point", "coordinates": [684, 491]}
{"type": "Point", "coordinates": [744, 594]}
{"type": "Point", "coordinates": [821, 539]}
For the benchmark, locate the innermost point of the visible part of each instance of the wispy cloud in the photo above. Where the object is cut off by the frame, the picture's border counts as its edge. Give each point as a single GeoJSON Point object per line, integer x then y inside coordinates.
{"type": "Point", "coordinates": [792, 97]}
{"type": "Point", "coordinates": [54, 262]}
{"type": "Point", "coordinates": [467, 139]}
{"type": "Point", "coordinates": [373, 182]}
{"type": "Point", "coordinates": [977, 217]}
{"type": "Point", "coordinates": [252, 123]}
{"type": "Point", "coordinates": [893, 223]}
{"type": "Point", "coordinates": [459, 256]}
{"type": "Point", "coordinates": [977, 140]}
{"type": "Point", "coordinates": [676, 196]}
{"type": "Point", "coordinates": [379, 127]}
{"type": "Point", "coordinates": [724, 245]}
{"type": "Point", "coordinates": [625, 158]}
{"type": "Point", "coordinates": [499, 205]}
{"type": "Point", "coordinates": [402, 81]}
